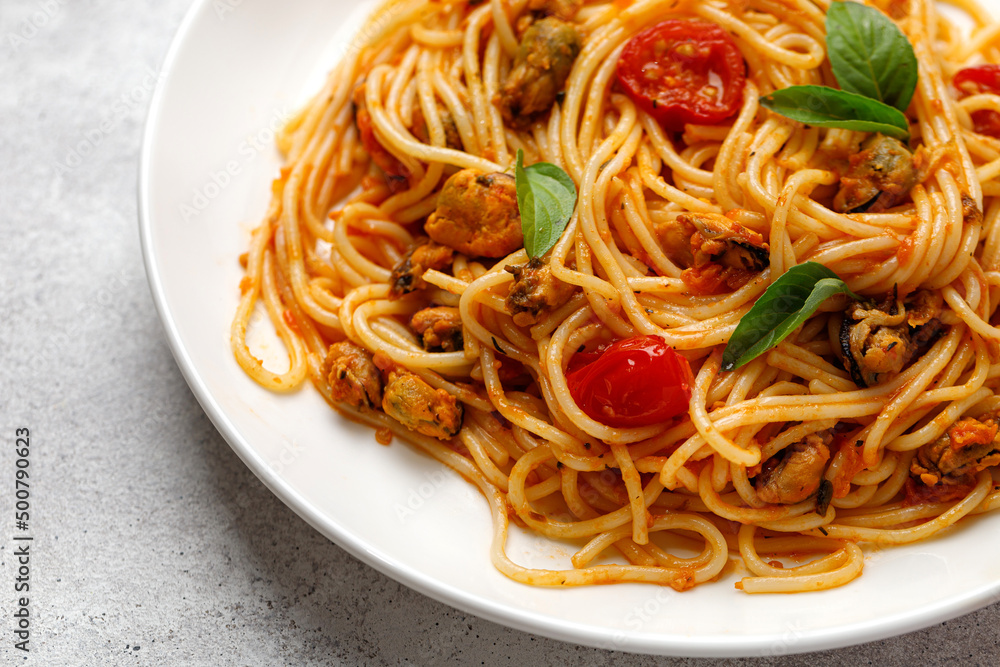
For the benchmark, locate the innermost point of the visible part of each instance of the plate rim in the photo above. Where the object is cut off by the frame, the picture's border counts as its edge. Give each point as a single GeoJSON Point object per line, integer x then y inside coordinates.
{"type": "Point", "coordinates": [504, 614]}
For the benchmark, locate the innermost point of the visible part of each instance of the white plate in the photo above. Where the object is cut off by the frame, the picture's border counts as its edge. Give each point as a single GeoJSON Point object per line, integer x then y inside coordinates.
{"type": "Point", "coordinates": [236, 69]}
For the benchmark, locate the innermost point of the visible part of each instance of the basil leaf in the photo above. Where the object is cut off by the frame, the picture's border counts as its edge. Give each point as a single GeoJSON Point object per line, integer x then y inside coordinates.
{"type": "Point", "coordinates": [787, 303]}
{"type": "Point", "coordinates": [870, 56]}
{"type": "Point", "coordinates": [828, 107]}
{"type": "Point", "coordinates": [546, 197]}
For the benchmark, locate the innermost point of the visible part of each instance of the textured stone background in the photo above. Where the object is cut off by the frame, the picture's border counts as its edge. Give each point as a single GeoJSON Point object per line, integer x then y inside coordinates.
{"type": "Point", "coordinates": [156, 545]}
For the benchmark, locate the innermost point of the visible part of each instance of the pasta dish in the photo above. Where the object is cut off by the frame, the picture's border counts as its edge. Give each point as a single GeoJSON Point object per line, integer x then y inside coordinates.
{"type": "Point", "coordinates": [699, 287]}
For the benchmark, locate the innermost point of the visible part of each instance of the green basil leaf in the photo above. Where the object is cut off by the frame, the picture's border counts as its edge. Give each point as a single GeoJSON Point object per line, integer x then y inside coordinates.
{"type": "Point", "coordinates": [828, 107]}
{"type": "Point", "coordinates": [787, 303]}
{"type": "Point", "coordinates": [870, 56]}
{"type": "Point", "coordinates": [546, 197]}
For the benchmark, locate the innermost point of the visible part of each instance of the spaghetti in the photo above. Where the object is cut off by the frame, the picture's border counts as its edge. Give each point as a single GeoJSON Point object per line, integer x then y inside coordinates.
{"type": "Point", "coordinates": [874, 422]}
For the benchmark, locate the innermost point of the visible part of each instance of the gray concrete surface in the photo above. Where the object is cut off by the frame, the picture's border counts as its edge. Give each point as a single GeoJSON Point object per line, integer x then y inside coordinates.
{"type": "Point", "coordinates": [154, 544]}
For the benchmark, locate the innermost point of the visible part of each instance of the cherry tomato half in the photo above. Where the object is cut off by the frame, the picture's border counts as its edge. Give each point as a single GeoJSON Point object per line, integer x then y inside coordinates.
{"type": "Point", "coordinates": [634, 382]}
{"type": "Point", "coordinates": [684, 71]}
{"type": "Point", "coordinates": [981, 79]}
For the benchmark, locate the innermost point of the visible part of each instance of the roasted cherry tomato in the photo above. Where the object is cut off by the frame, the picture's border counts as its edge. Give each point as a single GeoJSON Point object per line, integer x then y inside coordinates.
{"type": "Point", "coordinates": [684, 71]}
{"type": "Point", "coordinates": [633, 382]}
{"type": "Point", "coordinates": [981, 79]}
